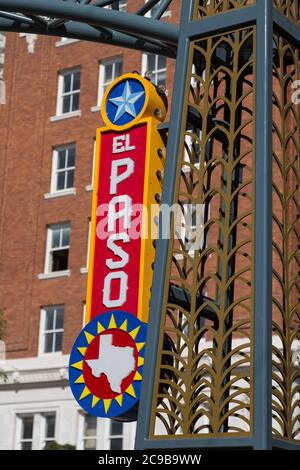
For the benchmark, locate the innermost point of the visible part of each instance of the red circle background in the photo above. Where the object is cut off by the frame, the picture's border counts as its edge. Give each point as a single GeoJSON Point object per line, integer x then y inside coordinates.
{"type": "Point", "coordinates": [100, 386]}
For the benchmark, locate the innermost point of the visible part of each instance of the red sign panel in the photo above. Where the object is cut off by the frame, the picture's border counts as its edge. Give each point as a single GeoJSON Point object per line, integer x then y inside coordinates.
{"type": "Point", "coordinates": [116, 260]}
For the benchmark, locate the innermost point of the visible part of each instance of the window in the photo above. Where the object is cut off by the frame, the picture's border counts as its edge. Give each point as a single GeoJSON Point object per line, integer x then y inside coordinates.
{"type": "Point", "coordinates": [108, 72]}
{"type": "Point", "coordinates": [116, 435]}
{"type": "Point", "coordinates": [35, 431]}
{"type": "Point", "coordinates": [68, 92]}
{"type": "Point", "coordinates": [57, 250]}
{"type": "Point", "coordinates": [157, 66]}
{"type": "Point", "coordinates": [51, 331]}
{"type": "Point", "coordinates": [26, 435]}
{"type": "Point", "coordinates": [85, 269]}
{"type": "Point", "coordinates": [63, 168]}
{"type": "Point", "coordinates": [90, 433]}
{"type": "Point", "coordinates": [192, 227]}
{"type": "Point", "coordinates": [49, 429]}
{"type": "Point", "coordinates": [104, 434]}
{"type": "Point", "coordinates": [192, 149]}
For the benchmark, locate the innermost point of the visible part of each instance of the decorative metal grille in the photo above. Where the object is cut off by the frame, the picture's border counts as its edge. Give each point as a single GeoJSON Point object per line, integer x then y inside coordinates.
{"type": "Point", "coordinates": [204, 8]}
{"type": "Point", "coordinates": [207, 389]}
{"type": "Point", "coordinates": [286, 241]}
{"type": "Point", "coordinates": [290, 8]}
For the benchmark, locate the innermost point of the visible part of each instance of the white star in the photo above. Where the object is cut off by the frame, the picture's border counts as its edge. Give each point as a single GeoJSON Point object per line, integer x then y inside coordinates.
{"type": "Point", "coordinates": [126, 102]}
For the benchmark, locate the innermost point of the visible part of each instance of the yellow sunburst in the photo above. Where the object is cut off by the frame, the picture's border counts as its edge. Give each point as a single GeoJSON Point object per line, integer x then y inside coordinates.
{"type": "Point", "coordinates": [79, 365]}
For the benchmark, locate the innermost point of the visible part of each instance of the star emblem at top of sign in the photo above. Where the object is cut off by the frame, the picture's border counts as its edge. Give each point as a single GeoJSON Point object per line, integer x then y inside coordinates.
{"type": "Point", "coordinates": [125, 102]}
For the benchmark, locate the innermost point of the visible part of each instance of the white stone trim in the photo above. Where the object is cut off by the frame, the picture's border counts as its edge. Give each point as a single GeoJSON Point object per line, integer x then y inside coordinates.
{"type": "Point", "coordinates": [95, 109]}
{"type": "Point", "coordinates": [65, 192]}
{"type": "Point", "coordinates": [66, 42]}
{"type": "Point", "coordinates": [55, 274]}
{"type": "Point", "coordinates": [60, 117]}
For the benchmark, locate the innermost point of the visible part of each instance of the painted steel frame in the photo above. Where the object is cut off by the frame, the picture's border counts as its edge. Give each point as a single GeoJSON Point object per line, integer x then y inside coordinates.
{"type": "Point", "coordinates": [266, 17]}
{"type": "Point", "coordinates": [83, 21]}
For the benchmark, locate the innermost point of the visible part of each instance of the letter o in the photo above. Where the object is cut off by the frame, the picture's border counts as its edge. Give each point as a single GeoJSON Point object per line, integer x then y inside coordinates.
{"type": "Point", "coordinates": [122, 293]}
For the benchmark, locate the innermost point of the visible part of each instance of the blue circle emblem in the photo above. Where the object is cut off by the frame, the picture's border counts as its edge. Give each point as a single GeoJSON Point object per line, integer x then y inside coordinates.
{"type": "Point", "coordinates": [106, 364]}
{"type": "Point", "coordinates": [125, 102]}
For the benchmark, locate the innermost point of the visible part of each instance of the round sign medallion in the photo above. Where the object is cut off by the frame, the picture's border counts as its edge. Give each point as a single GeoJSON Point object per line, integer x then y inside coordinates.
{"type": "Point", "coordinates": [106, 364]}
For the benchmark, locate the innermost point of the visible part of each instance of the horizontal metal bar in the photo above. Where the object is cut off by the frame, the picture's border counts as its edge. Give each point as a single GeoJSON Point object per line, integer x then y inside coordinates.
{"type": "Point", "coordinates": [198, 442]}
{"type": "Point", "coordinates": [287, 26]}
{"type": "Point", "coordinates": [163, 126]}
{"type": "Point", "coordinates": [147, 7]}
{"type": "Point", "coordinates": [15, 17]}
{"type": "Point", "coordinates": [103, 3]}
{"type": "Point", "coordinates": [224, 21]}
{"type": "Point", "coordinates": [285, 444]}
{"type": "Point", "coordinates": [76, 30]}
{"type": "Point", "coordinates": [161, 9]}
{"type": "Point", "coordinates": [121, 21]}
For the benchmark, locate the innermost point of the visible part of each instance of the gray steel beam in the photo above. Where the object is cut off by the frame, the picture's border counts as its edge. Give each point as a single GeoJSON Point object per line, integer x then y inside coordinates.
{"type": "Point", "coordinates": [76, 30]}
{"type": "Point", "coordinates": [263, 230]}
{"type": "Point", "coordinates": [161, 9]}
{"type": "Point", "coordinates": [161, 260]}
{"type": "Point", "coordinates": [285, 444]}
{"type": "Point", "coordinates": [15, 17]}
{"type": "Point", "coordinates": [239, 17]}
{"type": "Point", "coordinates": [121, 21]}
{"type": "Point", "coordinates": [288, 27]}
{"type": "Point", "coordinates": [199, 442]}
{"type": "Point", "coordinates": [147, 7]}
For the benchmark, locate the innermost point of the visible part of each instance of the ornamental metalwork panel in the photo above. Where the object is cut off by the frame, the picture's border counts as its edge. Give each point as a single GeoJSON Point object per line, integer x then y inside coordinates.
{"type": "Point", "coordinates": [205, 8]}
{"type": "Point", "coordinates": [290, 8]}
{"type": "Point", "coordinates": [286, 241]}
{"type": "Point", "coordinates": [204, 366]}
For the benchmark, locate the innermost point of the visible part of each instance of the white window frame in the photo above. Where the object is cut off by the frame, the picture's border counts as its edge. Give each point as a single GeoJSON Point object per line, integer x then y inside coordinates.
{"type": "Point", "coordinates": [185, 228]}
{"type": "Point", "coordinates": [101, 74]}
{"type": "Point", "coordinates": [54, 172]}
{"type": "Point", "coordinates": [43, 331]}
{"type": "Point", "coordinates": [83, 313]}
{"type": "Point", "coordinates": [109, 437]}
{"type": "Point", "coordinates": [47, 271]}
{"type": "Point", "coordinates": [156, 71]}
{"type": "Point", "coordinates": [59, 102]}
{"type": "Point", "coordinates": [84, 270]}
{"type": "Point", "coordinates": [103, 434]}
{"type": "Point", "coordinates": [45, 439]}
{"type": "Point", "coordinates": [80, 437]}
{"type": "Point", "coordinates": [18, 436]}
{"type": "Point", "coordinates": [189, 143]}
{"type": "Point", "coordinates": [90, 186]}
{"type": "Point", "coordinates": [39, 427]}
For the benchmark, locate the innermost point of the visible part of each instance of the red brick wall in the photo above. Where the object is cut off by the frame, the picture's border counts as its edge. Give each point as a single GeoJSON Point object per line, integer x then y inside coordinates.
{"type": "Point", "coordinates": [27, 138]}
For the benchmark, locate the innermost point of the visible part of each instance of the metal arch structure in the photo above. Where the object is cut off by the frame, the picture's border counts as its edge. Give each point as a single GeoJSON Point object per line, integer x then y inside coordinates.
{"type": "Point", "coordinates": [90, 20]}
{"type": "Point", "coordinates": [236, 63]}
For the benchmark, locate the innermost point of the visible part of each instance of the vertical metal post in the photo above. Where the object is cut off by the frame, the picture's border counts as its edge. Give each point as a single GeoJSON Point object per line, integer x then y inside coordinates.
{"type": "Point", "coordinates": [263, 230]}
{"type": "Point", "coordinates": [161, 261]}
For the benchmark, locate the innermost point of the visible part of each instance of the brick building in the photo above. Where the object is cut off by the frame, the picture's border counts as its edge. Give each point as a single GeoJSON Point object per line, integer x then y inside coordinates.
{"type": "Point", "coordinates": [53, 89]}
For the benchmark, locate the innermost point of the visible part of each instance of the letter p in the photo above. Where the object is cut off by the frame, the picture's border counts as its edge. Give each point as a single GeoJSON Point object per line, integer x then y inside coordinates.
{"type": "Point", "coordinates": [117, 177]}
